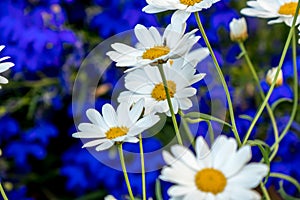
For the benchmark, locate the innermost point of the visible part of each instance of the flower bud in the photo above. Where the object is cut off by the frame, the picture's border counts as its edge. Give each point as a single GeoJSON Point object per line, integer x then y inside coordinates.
{"type": "Point", "coordinates": [271, 75]}
{"type": "Point", "coordinates": [238, 30]}
{"type": "Point", "coordinates": [110, 197]}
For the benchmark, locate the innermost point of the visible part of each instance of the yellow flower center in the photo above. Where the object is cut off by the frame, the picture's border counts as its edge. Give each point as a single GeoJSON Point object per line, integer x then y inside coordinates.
{"type": "Point", "coordinates": [115, 132]}
{"type": "Point", "coordinates": [288, 8]}
{"type": "Point", "coordinates": [210, 180]}
{"type": "Point", "coordinates": [190, 2]}
{"type": "Point", "coordinates": [155, 52]}
{"type": "Point", "coordinates": [159, 92]}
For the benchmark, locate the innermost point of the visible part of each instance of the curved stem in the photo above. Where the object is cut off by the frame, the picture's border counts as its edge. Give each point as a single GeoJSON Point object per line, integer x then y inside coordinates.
{"type": "Point", "coordinates": [260, 110]}
{"type": "Point", "coordinates": [143, 167]}
{"type": "Point", "coordinates": [295, 102]}
{"type": "Point", "coordinates": [264, 191]}
{"type": "Point", "coordinates": [220, 73]}
{"type": "Point", "coordinates": [3, 192]}
{"type": "Point", "coordinates": [187, 128]}
{"type": "Point", "coordinates": [125, 171]}
{"type": "Point", "coordinates": [162, 73]}
{"type": "Point", "coordinates": [287, 178]}
{"type": "Point", "coordinates": [262, 94]}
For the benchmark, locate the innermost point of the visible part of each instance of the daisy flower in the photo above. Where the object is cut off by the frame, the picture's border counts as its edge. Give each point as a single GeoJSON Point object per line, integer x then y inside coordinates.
{"type": "Point", "coordinates": [4, 66]}
{"type": "Point", "coordinates": [146, 83]}
{"type": "Point", "coordinates": [154, 48]}
{"type": "Point", "coordinates": [113, 126]}
{"type": "Point", "coordinates": [282, 10]}
{"type": "Point", "coordinates": [219, 173]}
{"type": "Point", "coordinates": [183, 8]}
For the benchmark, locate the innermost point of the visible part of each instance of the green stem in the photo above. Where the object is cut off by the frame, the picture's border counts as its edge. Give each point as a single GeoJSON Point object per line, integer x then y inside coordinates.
{"type": "Point", "coordinates": [143, 167]}
{"type": "Point", "coordinates": [262, 94]}
{"type": "Point", "coordinates": [125, 171]}
{"type": "Point", "coordinates": [287, 178]}
{"type": "Point", "coordinates": [230, 106]}
{"type": "Point", "coordinates": [187, 128]}
{"type": "Point", "coordinates": [162, 73]}
{"type": "Point", "coordinates": [286, 46]}
{"type": "Point", "coordinates": [264, 191]}
{"type": "Point", "coordinates": [3, 192]}
{"type": "Point", "coordinates": [295, 102]}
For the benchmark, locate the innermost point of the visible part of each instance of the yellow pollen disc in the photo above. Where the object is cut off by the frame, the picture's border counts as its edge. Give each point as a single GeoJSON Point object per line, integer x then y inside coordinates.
{"type": "Point", "coordinates": [115, 132]}
{"type": "Point", "coordinates": [210, 180]}
{"type": "Point", "coordinates": [190, 2]}
{"type": "Point", "coordinates": [288, 8]}
{"type": "Point", "coordinates": [159, 92]}
{"type": "Point", "coordinates": [155, 52]}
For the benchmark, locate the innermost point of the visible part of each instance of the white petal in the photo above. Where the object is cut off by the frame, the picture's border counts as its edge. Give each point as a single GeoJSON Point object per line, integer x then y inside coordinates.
{"type": "Point", "coordinates": [144, 36]}
{"type": "Point", "coordinates": [94, 143]}
{"type": "Point", "coordinates": [136, 111]}
{"type": "Point", "coordinates": [245, 194]}
{"type": "Point", "coordinates": [195, 195]}
{"type": "Point", "coordinates": [109, 115]}
{"type": "Point", "coordinates": [90, 128]}
{"type": "Point", "coordinates": [176, 190]}
{"type": "Point", "coordinates": [95, 117]}
{"type": "Point", "coordinates": [237, 161]}
{"type": "Point", "coordinates": [3, 80]}
{"type": "Point", "coordinates": [226, 151]}
{"type": "Point", "coordinates": [250, 175]}
{"type": "Point", "coordinates": [203, 152]}
{"type": "Point", "coordinates": [104, 146]}
{"type": "Point", "coordinates": [186, 156]}
{"type": "Point", "coordinates": [87, 135]}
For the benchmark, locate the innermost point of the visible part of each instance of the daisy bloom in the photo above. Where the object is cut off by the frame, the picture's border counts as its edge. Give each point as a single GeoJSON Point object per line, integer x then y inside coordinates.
{"type": "Point", "coordinates": [146, 83]}
{"type": "Point", "coordinates": [238, 30]}
{"type": "Point", "coordinates": [282, 10]}
{"type": "Point", "coordinates": [154, 48]}
{"type": "Point", "coordinates": [271, 76]}
{"type": "Point", "coordinates": [183, 8]}
{"type": "Point", "coordinates": [113, 126]}
{"type": "Point", "coordinates": [4, 66]}
{"type": "Point", "coordinates": [221, 173]}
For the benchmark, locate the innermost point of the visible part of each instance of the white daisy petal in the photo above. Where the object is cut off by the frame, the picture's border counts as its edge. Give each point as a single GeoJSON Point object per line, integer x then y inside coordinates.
{"type": "Point", "coordinates": [245, 194]}
{"type": "Point", "coordinates": [88, 135]}
{"type": "Point", "coordinates": [4, 66]}
{"type": "Point", "coordinates": [245, 180]}
{"type": "Point", "coordinates": [195, 195]}
{"type": "Point", "coordinates": [104, 146]}
{"type": "Point", "coordinates": [95, 117]}
{"type": "Point", "coordinates": [179, 190]}
{"type": "Point", "coordinates": [185, 155]}
{"type": "Point", "coordinates": [202, 151]}
{"type": "Point", "coordinates": [94, 143]}
{"type": "Point", "coordinates": [109, 115]}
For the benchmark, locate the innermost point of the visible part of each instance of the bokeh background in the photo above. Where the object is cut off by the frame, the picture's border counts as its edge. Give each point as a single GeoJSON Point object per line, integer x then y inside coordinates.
{"type": "Point", "coordinates": [48, 40]}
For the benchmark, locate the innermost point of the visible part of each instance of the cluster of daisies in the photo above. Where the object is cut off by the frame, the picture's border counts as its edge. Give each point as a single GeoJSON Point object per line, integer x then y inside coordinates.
{"type": "Point", "coordinates": [220, 172]}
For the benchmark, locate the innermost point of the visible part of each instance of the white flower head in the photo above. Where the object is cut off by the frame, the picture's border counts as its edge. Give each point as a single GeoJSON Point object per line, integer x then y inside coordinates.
{"type": "Point", "coordinates": [219, 173]}
{"type": "Point", "coordinates": [282, 10]}
{"type": "Point", "coordinates": [271, 76]}
{"type": "Point", "coordinates": [183, 8]}
{"type": "Point", "coordinates": [4, 66]}
{"type": "Point", "coordinates": [122, 125]}
{"type": "Point", "coordinates": [238, 30]}
{"type": "Point", "coordinates": [146, 83]}
{"type": "Point", "coordinates": [154, 48]}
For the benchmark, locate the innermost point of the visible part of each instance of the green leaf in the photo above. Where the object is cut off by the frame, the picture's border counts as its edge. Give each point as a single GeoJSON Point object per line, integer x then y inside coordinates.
{"type": "Point", "coordinates": [158, 190]}
{"type": "Point", "coordinates": [247, 117]}
{"type": "Point", "coordinates": [283, 194]}
{"type": "Point", "coordinates": [206, 117]}
{"type": "Point", "coordinates": [279, 101]}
